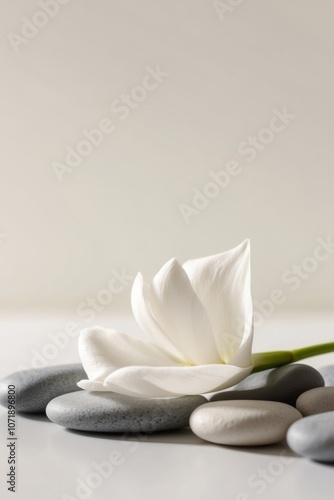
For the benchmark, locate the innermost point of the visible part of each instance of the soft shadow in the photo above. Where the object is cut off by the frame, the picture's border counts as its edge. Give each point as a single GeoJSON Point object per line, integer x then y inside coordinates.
{"type": "Point", "coordinates": [184, 436]}
{"type": "Point", "coordinates": [269, 450]}
{"type": "Point", "coordinates": [178, 436]}
{"type": "Point", "coordinates": [323, 464]}
{"type": "Point", "coordinates": [38, 417]}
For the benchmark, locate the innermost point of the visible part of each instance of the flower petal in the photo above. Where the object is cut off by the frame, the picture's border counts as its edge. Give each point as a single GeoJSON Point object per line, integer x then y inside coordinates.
{"type": "Point", "coordinates": [103, 350]}
{"type": "Point", "coordinates": [222, 283]}
{"type": "Point", "coordinates": [92, 385]}
{"type": "Point", "coordinates": [141, 311]}
{"type": "Point", "coordinates": [243, 355]}
{"type": "Point", "coordinates": [179, 312]}
{"type": "Point", "coordinates": [153, 382]}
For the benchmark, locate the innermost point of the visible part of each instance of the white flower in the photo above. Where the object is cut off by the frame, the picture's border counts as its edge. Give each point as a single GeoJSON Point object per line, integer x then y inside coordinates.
{"type": "Point", "coordinates": [199, 319]}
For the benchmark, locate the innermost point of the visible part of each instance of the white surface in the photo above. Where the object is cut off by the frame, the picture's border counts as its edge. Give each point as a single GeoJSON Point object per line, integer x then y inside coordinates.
{"type": "Point", "coordinates": [120, 207]}
{"type": "Point", "coordinates": [164, 466]}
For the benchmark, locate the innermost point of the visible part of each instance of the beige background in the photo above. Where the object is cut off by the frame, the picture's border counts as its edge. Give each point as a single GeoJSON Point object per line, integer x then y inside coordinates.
{"type": "Point", "coordinates": [120, 208]}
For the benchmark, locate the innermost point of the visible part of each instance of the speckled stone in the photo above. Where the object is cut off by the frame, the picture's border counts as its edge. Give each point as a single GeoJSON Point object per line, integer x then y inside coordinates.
{"type": "Point", "coordinates": [315, 401]}
{"type": "Point", "coordinates": [284, 384]}
{"type": "Point", "coordinates": [313, 437]}
{"type": "Point", "coordinates": [110, 412]}
{"type": "Point", "coordinates": [243, 423]}
{"type": "Point", "coordinates": [327, 373]}
{"type": "Point", "coordinates": [35, 388]}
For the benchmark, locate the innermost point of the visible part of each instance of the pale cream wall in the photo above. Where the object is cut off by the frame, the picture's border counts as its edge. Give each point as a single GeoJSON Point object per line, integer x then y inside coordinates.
{"type": "Point", "coordinates": [223, 79]}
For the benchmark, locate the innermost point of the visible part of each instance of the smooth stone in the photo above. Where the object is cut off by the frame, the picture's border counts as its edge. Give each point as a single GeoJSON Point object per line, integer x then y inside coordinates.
{"type": "Point", "coordinates": [315, 401]}
{"type": "Point", "coordinates": [111, 412]}
{"type": "Point", "coordinates": [313, 437]}
{"type": "Point", "coordinates": [327, 373]}
{"type": "Point", "coordinates": [243, 423]}
{"type": "Point", "coordinates": [35, 388]}
{"type": "Point", "coordinates": [283, 384]}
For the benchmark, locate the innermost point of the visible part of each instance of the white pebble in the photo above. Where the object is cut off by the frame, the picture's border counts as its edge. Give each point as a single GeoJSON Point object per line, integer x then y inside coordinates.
{"type": "Point", "coordinates": [243, 423]}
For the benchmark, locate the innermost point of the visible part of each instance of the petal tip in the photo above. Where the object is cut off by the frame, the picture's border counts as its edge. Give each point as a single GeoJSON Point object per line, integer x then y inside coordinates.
{"type": "Point", "coordinates": [244, 245]}
{"type": "Point", "coordinates": [87, 332]}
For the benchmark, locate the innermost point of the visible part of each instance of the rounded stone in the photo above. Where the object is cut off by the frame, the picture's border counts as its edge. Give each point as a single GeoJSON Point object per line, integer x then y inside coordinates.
{"type": "Point", "coordinates": [313, 437]}
{"type": "Point", "coordinates": [110, 412]}
{"type": "Point", "coordinates": [283, 384]}
{"type": "Point", "coordinates": [243, 423]}
{"type": "Point", "coordinates": [35, 388]}
{"type": "Point", "coordinates": [327, 373]}
{"type": "Point", "coordinates": [315, 401]}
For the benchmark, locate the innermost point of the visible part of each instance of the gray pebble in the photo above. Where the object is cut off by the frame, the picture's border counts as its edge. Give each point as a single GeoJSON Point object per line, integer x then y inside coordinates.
{"type": "Point", "coordinates": [284, 384]}
{"type": "Point", "coordinates": [110, 412]}
{"type": "Point", "coordinates": [35, 388]}
{"type": "Point", "coordinates": [328, 375]}
{"type": "Point", "coordinates": [315, 401]}
{"type": "Point", "coordinates": [313, 437]}
{"type": "Point", "coordinates": [243, 423]}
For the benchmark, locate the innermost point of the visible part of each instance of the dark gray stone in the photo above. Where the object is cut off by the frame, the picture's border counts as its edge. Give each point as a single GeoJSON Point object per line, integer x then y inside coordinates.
{"type": "Point", "coordinates": [110, 412]}
{"type": "Point", "coordinates": [313, 437]}
{"type": "Point", "coordinates": [35, 388]}
{"type": "Point", "coordinates": [284, 384]}
{"type": "Point", "coordinates": [327, 373]}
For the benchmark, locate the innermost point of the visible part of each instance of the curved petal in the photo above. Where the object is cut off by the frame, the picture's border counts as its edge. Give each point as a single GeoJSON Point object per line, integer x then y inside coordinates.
{"type": "Point", "coordinates": [243, 355]}
{"type": "Point", "coordinates": [222, 283]}
{"type": "Point", "coordinates": [92, 385]}
{"type": "Point", "coordinates": [153, 382]}
{"type": "Point", "coordinates": [176, 307]}
{"type": "Point", "coordinates": [103, 351]}
{"type": "Point", "coordinates": [141, 311]}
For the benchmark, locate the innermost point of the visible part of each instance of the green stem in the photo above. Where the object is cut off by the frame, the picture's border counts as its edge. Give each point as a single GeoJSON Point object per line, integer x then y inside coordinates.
{"type": "Point", "coordinates": [264, 360]}
{"type": "Point", "coordinates": [313, 350]}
